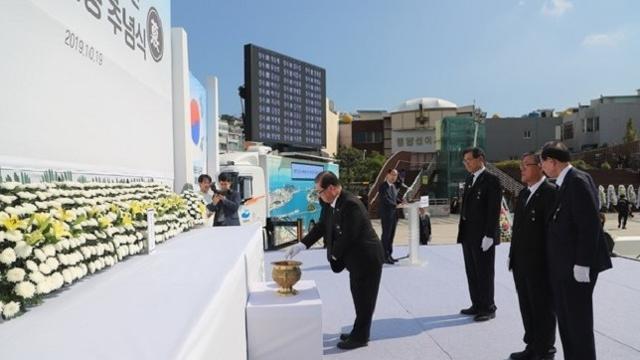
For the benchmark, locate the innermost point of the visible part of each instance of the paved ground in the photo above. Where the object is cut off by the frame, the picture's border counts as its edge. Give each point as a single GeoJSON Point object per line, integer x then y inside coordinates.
{"type": "Point", "coordinates": [417, 315]}
{"type": "Point", "coordinates": [445, 230]}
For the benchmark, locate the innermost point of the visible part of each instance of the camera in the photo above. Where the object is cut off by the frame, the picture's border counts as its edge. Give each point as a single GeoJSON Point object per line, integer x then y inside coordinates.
{"type": "Point", "coordinates": [216, 190]}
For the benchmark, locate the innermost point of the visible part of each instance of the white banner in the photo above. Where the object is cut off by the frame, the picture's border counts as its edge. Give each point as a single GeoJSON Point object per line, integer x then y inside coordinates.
{"type": "Point", "coordinates": [87, 84]}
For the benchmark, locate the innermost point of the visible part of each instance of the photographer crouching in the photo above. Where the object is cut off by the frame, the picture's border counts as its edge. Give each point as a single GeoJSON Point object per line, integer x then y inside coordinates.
{"type": "Point", "coordinates": [225, 203]}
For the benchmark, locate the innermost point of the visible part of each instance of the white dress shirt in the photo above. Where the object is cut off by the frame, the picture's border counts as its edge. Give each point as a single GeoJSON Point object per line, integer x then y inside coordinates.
{"type": "Point", "coordinates": [563, 173]}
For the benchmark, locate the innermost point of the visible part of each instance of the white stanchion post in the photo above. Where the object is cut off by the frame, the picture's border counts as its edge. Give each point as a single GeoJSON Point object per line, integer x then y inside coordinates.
{"type": "Point", "coordinates": [151, 231]}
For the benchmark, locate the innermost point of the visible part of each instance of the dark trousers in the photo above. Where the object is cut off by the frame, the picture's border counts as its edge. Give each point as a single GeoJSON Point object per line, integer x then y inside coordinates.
{"type": "Point", "coordinates": [622, 219]}
{"type": "Point", "coordinates": [536, 307]}
{"type": "Point", "coordinates": [389, 220]}
{"type": "Point", "coordinates": [574, 308]}
{"type": "Point", "coordinates": [479, 266]}
{"type": "Point", "coordinates": [364, 291]}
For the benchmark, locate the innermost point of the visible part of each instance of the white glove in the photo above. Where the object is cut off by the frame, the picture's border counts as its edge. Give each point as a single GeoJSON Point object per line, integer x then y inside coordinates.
{"type": "Point", "coordinates": [581, 273]}
{"type": "Point", "coordinates": [294, 250]}
{"type": "Point", "coordinates": [487, 242]}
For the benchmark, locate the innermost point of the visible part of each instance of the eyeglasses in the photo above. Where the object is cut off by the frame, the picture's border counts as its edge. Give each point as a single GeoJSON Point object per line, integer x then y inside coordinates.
{"type": "Point", "coordinates": [319, 192]}
{"type": "Point", "coordinates": [524, 166]}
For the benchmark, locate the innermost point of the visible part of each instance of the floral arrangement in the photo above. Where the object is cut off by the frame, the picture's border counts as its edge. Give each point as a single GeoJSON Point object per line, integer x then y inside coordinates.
{"type": "Point", "coordinates": [505, 222]}
{"type": "Point", "coordinates": [53, 234]}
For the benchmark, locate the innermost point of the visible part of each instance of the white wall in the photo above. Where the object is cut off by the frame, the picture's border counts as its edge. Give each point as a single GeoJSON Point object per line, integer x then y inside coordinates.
{"type": "Point", "coordinates": [65, 109]}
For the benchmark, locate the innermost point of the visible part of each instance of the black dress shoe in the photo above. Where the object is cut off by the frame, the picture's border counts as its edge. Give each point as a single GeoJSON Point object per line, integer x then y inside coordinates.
{"type": "Point", "coordinates": [484, 316]}
{"type": "Point", "coordinates": [351, 344]}
{"type": "Point", "coordinates": [470, 311]}
{"type": "Point", "coordinates": [344, 336]}
{"type": "Point", "coordinates": [521, 355]}
{"type": "Point", "coordinates": [388, 261]}
{"type": "Point", "coordinates": [542, 357]}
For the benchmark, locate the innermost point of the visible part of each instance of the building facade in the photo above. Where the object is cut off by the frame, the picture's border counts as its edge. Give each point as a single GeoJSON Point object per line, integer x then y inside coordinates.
{"type": "Point", "coordinates": [603, 122]}
{"type": "Point", "coordinates": [509, 137]}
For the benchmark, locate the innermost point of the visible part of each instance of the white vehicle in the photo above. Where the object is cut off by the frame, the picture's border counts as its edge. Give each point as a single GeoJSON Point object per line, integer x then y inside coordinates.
{"type": "Point", "coordinates": [277, 190]}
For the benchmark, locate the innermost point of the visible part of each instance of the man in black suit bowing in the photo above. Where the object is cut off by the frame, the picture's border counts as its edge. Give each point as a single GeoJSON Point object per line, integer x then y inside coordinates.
{"type": "Point", "coordinates": [576, 251]}
{"type": "Point", "coordinates": [527, 260]}
{"type": "Point", "coordinates": [478, 232]}
{"type": "Point", "coordinates": [352, 243]}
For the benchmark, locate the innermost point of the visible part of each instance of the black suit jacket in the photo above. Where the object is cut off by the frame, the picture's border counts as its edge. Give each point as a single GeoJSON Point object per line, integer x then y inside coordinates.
{"type": "Point", "coordinates": [575, 236]}
{"type": "Point", "coordinates": [387, 198]}
{"type": "Point", "coordinates": [347, 231]}
{"type": "Point", "coordinates": [480, 214]}
{"type": "Point", "coordinates": [529, 233]}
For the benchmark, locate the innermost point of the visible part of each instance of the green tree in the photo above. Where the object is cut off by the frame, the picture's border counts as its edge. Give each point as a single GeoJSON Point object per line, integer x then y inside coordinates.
{"type": "Point", "coordinates": [631, 133]}
{"type": "Point", "coordinates": [356, 167]}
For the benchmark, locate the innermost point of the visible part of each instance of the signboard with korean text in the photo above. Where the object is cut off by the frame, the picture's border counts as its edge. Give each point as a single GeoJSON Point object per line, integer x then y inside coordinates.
{"type": "Point", "coordinates": [86, 86]}
{"type": "Point", "coordinates": [285, 99]}
{"type": "Point", "coordinates": [422, 141]}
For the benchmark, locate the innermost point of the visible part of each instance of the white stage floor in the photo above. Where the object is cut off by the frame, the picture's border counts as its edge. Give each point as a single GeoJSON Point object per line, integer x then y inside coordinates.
{"type": "Point", "coordinates": [417, 315]}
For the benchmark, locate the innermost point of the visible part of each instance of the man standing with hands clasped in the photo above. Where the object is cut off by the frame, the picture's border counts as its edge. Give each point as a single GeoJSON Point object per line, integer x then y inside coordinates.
{"type": "Point", "coordinates": [478, 232]}
{"type": "Point", "coordinates": [576, 251]}
{"type": "Point", "coordinates": [352, 243]}
{"type": "Point", "coordinates": [528, 261]}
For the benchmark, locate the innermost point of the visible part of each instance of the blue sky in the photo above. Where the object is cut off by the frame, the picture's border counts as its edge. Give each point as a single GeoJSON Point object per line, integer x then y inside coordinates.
{"type": "Point", "coordinates": [510, 56]}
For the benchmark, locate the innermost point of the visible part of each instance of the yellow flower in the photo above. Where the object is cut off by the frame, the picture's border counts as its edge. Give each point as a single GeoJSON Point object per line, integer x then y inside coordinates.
{"type": "Point", "coordinates": [203, 209]}
{"type": "Point", "coordinates": [65, 215]}
{"type": "Point", "coordinates": [34, 237]}
{"type": "Point", "coordinates": [40, 220]}
{"type": "Point", "coordinates": [126, 220]}
{"type": "Point", "coordinates": [114, 208]}
{"type": "Point", "coordinates": [104, 222]}
{"type": "Point", "coordinates": [12, 222]}
{"type": "Point", "coordinates": [59, 230]}
{"type": "Point", "coordinates": [136, 208]}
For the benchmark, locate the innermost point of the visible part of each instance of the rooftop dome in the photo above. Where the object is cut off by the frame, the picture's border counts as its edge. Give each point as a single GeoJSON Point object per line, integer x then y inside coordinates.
{"type": "Point", "coordinates": [427, 104]}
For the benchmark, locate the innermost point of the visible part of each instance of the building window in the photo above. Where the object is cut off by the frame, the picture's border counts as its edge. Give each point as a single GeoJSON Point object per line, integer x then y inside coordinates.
{"type": "Point", "coordinates": [590, 125]}
{"type": "Point", "coordinates": [400, 142]}
{"type": "Point", "coordinates": [527, 134]}
{"type": "Point", "coordinates": [567, 131]}
{"type": "Point", "coordinates": [596, 124]}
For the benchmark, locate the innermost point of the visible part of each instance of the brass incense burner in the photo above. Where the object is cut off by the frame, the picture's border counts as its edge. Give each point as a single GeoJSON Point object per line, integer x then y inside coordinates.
{"type": "Point", "coordinates": [286, 273]}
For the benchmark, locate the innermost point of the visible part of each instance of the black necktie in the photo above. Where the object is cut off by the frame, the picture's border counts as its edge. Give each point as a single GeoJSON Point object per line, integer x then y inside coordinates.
{"type": "Point", "coordinates": [525, 195]}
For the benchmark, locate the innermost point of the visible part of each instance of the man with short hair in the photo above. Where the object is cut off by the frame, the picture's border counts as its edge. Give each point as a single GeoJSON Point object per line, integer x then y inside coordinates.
{"type": "Point", "coordinates": [204, 184]}
{"type": "Point", "coordinates": [352, 243]}
{"type": "Point", "coordinates": [528, 261]}
{"type": "Point", "coordinates": [478, 232]}
{"type": "Point", "coordinates": [576, 251]}
{"type": "Point", "coordinates": [225, 203]}
{"type": "Point", "coordinates": [387, 204]}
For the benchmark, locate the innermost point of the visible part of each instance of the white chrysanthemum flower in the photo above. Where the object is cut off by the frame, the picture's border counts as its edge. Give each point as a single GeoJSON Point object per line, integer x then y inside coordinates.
{"type": "Point", "coordinates": [40, 255]}
{"type": "Point", "coordinates": [12, 210]}
{"type": "Point", "coordinates": [15, 275]}
{"type": "Point", "coordinates": [25, 290]}
{"type": "Point", "coordinates": [10, 309]}
{"type": "Point", "coordinates": [29, 208]}
{"type": "Point", "coordinates": [44, 287]}
{"type": "Point", "coordinates": [7, 256]}
{"type": "Point", "coordinates": [9, 185]}
{"type": "Point", "coordinates": [2, 236]}
{"type": "Point", "coordinates": [67, 275]}
{"type": "Point", "coordinates": [36, 277]}
{"type": "Point", "coordinates": [26, 195]}
{"type": "Point", "coordinates": [31, 265]}
{"type": "Point", "coordinates": [53, 263]}
{"type": "Point", "coordinates": [44, 268]}
{"type": "Point", "coordinates": [7, 199]}
{"type": "Point", "coordinates": [14, 235]}
{"type": "Point", "coordinates": [57, 280]}
{"type": "Point", "coordinates": [23, 250]}
{"type": "Point", "coordinates": [49, 250]}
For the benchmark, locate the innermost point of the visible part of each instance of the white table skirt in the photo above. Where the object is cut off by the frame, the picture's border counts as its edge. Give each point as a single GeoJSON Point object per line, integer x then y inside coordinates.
{"type": "Point", "coordinates": [284, 327]}
{"type": "Point", "coordinates": [184, 301]}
